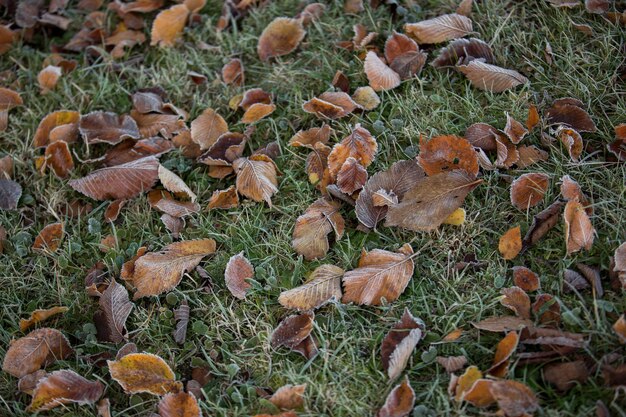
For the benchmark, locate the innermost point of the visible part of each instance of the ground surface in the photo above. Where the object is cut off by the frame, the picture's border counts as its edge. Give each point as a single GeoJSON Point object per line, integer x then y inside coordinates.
{"type": "Point", "coordinates": [346, 379]}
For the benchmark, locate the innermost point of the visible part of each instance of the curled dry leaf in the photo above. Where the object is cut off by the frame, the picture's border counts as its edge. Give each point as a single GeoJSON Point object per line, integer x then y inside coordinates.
{"type": "Point", "coordinates": [380, 275]}
{"type": "Point", "coordinates": [323, 285]}
{"type": "Point", "coordinates": [119, 182]}
{"type": "Point", "coordinates": [58, 125]}
{"type": "Point", "coordinates": [529, 189]}
{"type": "Point", "coordinates": [157, 272]}
{"type": "Point", "coordinates": [10, 193]}
{"type": "Point", "coordinates": [514, 130]}
{"type": "Point", "coordinates": [566, 375]}
{"type": "Point", "coordinates": [308, 138]}
{"type": "Point", "coordinates": [431, 200]}
{"type": "Point", "coordinates": [113, 210]}
{"type": "Point", "coordinates": [289, 397]}
{"type": "Point", "coordinates": [483, 136]}
{"type": "Point", "coordinates": [341, 81]}
{"type": "Point", "coordinates": [207, 128]}
{"type": "Point", "coordinates": [510, 243]}
{"type": "Point", "coordinates": [107, 127]}
{"type": "Point", "coordinates": [462, 52]}
{"type": "Point", "coordinates": [180, 404]}
{"type": "Point", "coordinates": [256, 178]}
{"type": "Point", "coordinates": [310, 235]}
{"type": "Point", "coordinates": [131, 150]}
{"type": "Point", "coordinates": [238, 271]}
{"type": "Point", "coordinates": [175, 184]}
{"type": "Point", "coordinates": [281, 37]}
{"type": "Point", "coordinates": [233, 72]}
{"type": "Point", "coordinates": [352, 176]}
{"type": "Point", "coordinates": [572, 141]}
{"type": "Point", "coordinates": [168, 26]}
{"type": "Point", "coordinates": [439, 29]}
{"type": "Point", "coordinates": [36, 350]}
{"type": "Point", "coordinates": [254, 96]}
{"type": "Point", "coordinates": [514, 398]}
{"type": "Point", "coordinates": [110, 319]}
{"type": "Point", "coordinates": [399, 343]}
{"type": "Point", "coordinates": [579, 232]}
{"type": "Point", "coordinates": [59, 158]}
{"type": "Point", "coordinates": [517, 300]}
{"type": "Point", "coordinates": [398, 44]}
{"type": "Point", "coordinates": [48, 78]}
{"type": "Point", "coordinates": [153, 124]}
{"type": "Point", "coordinates": [28, 383]}
{"type": "Point", "coordinates": [570, 112]}
{"type": "Point", "coordinates": [452, 363]}
{"type": "Point", "coordinates": [526, 279]}
{"type": "Point", "coordinates": [360, 145]}
{"type": "Point", "coordinates": [379, 75]}
{"type": "Point", "coordinates": [506, 347]}
{"type": "Point", "coordinates": [508, 155]}
{"type": "Point", "coordinates": [542, 223]}
{"type": "Point", "coordinates": [64, 387]}
{"type": "Point", "coordinates": [164, 202]}
{"type": "Point", "coordinates": [409, 64]}
{"type": "Point", "coordinates": [491, 77]}
{"type": "Point", "coordinates": [330, 105]}
{"type": "Point", "coordinates": [366, 98]}
{"type": "Point", "coordinates": [181, 315]}
{"type": "Point", "coordinates": [399, 402]}
{"type": "Point", "coordinates": [466, 381]}
{"type": "Point", "coordinates": [294, 332]}
{"type": "Point", "coordinates": [447, 153]}
{"type": "Point", "coordinates": [49, 238]}
{"type": "Point", "coordinates": [224, 199]}
{"type": "Point", "coordinates": [144, 372]}
{"type": "Point", "coordinates": [570, 190]}
{"type": "Point", "coordinates": [38, 316]}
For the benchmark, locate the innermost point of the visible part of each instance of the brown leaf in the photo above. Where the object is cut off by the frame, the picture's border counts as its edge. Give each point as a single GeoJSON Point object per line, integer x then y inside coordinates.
{"type": "Point", "coordinates": [316, 167]}
{"type": "Point", "coordinates": [566, 375]}
{"type": "Point", "coordinates": [254, 96]}
{"type": "Point", "coordinates": [439, 29]}
{"type": "Point", "coordinates": [110, 319]}
{"type": "Point", "coordinates": [462, 52]}
{"type": "Point", "coordinates": [547, 310]}
{"type": "Point", "coordinates": [58, 125]}
{"type": "Point", "coordinates": [506, 347]}
{"type": "Point", "coordinates": [289, 397]}
{"type": "Point", "coordinates": [153, 124]}
{"type": "Point", "coordinates": [224, 199]}
{"type": "Point", "coordinates": [447, 153]}
{"type": "Point", "coordinates": [36, 350]}
{"type": "Point", "coordinates": [360, 144]}
{"type": "Point", "coordinates": [399, 402]}
{"type": "Point", "coordinates": [10, 193]}
{"type": "Point", "coordinates": [529, 189]}
{"type": "Point", "coordinates": [383, 198]}
{"type": "Point", "coordinates": [207, 128]}
{"type": "Point", "coordinates": [570, 190]}
{"type": "Point", "coordinates": [398, 44]}
{"type": "Point", "coordinates": [113, 210]}
{"type": "Point", "coordinates": [341, 81]}
{"type": "Point", "coordinates": [323, 285]}
{"type": "Point", "coordinates": [175, 184]}
{"type": "Point", "coordinates": [59, 158]}
{"type": "Point", "coordinates": [542, 223]}
{"type": "Point", "coordinates": [352, 176]}
{"type": "Point", "coordinates": [131, 150]}
{"type": "Point", "coordinates": [168, 26]}
{"type": "Point", "coordinates": [572, 141]}
{"type": "Point", "coordinates": [379, 75]}
{"type": "Point", "coordinates": [517, 300]}
{"type": "Point", "coordinates": [157, 272]}
{"type": "Point", "coordinates": [491, 77]}
{"type": "Point", "coordinates": [465, 8]}
{"type": "Point", "coordinates": [514, 398]}
{"type": "Point", "coordinates": [256, 178]}
{"type": "Point", "coordinates": [431, 200]}
{"type": "Point", "coordinates": [353, 6]}
{"type": "Point", "coordinates": [181, 315]}
{"type": "Point", "coordinates": [64, 387]}
{"type": "Point", "coordinates": [452, 363]}
{"type": "Point", "coordinates": [482, 135]}
{"type": "Point", "coordinates": [398, 345]}
{"type": "Point", "coordinates": [330, 105]}
{"type": "Point", "coordinates": [573, 281]}
{"type": "Point", "coordinates": [380, 274]}
{"type": "Point", "coordinates": [579, 232]}
{"type": "Point", "coordinates": [502, 323]}
{"type": "Point", "coordinates": [310, 235]}
{"type": "Point", "coordinates": [38, 316]}
{"type": "Point", "coordinates": [233, 72]}
{"type": "Point", "coordinates": [409, 64]}
{"type": "Point", "coordinates": [28, 383]}
{"type": "Point", "coordinates": [257, 112]}
{"type": "Point", "coordinates": [293, 331]}
{"type": "Point", "coordinates": [119, 182]}
{"type": "Point", "coordinates": [7, 38]}
{"type": "Point", "coordinates": [529, 155]}
{"type": "Point", "coordinates": [308, 138]}
{"type": "Point", "coordinates": [144, 372]}
{"type": "Point", "coordinates": [48, 78]}
{"type": "Point", "coordinates": [620, 329]}
{"type": "Point", "coordinates": [107, 127]}
{"type": "Point", "coordinates": [569, 112]}
{"type": "Point", "coordinates": [49, 238]}
{"type": "Point", "coordinates": [366, 98]}
{"type": "Point", "coordinates": [179, 404]}
{"type": "Point", "coordinates": [164, 202]}
{"type": "Point", "coordinates": [526, 279]}
{"type": "Point", "coordinates": [281, 37]}
{"type": "Point", "coordinates": [514, 129]}
{"type": "Point", "coordinates": [238, 271]}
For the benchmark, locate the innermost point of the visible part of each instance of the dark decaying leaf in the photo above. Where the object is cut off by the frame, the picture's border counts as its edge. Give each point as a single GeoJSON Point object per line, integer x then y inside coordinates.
{"type": "Point", "coordinates": [107, 127]}
{"type": "Point", "coordinates": [542, 224]}
{"type": "Point", "coordinates": [10, 193]}
{"type": "Point", "coordinates": [399, 343]}
{"type": "Point", "coordinates": [110, 319]}
{"type": "Point", "coordinates": [566, 375]}
{"type": "Point", "coordinates": [592, 275]}
{"type": "Point", "coordinates": [573, 280]}
{"type": "Point", "coordinates": [181, 315]}
{"type": "Point", "coordinates": [399, 402]}
{"type": "Point", "coordinates": [294, 332]}
{"type": "Point", "coordinates": [64, 387]}
{"type": "Point", "coordinates": [569, 112]}
{"type": "Point", "coordinates": [462, 52]}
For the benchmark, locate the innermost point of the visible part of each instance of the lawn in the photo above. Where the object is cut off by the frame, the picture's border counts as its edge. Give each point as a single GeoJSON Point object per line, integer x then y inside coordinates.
{"type": "Point", "coordinates": [231, 336]}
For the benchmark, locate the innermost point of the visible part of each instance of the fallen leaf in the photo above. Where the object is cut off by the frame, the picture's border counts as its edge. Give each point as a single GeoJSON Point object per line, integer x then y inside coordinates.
{"type": "Point", "coordinates": [224, 199]}
{"type": "Point", "coordinates": [382, 198]}
{"type": "Point", "coordinates": [289, 397]}
{"type": "Point", "coordinates": [379, 75]}
{"type": "Point", "coordinates": [157, 272]}
{"type": "Point", "coordinates": [579, 232]}
{"type": "Point", "coordinates": [353, 6]}
{"type": "Point", "coordinates": [452, 363]}
{"type": "Point", "coordinates": [483, 136]}
{"type": "Point", "coordinates": [457, 217]}
{"type": "Point", "coordinates": [514, 398]}
{"type": "Point", "coordinates": [254, 96]}
{"type": "Point", "coordinates": [569, 112]}
{"type": "Point", "coordinates": [175, 184]}
{"type": "Point", "coordinates": [491, 77]}
{"type": "Point", "coordinates": [330, 105]}
{"type": "Point", "coordinates": [398, 345]}
{"type": "Point", "coordinates": [570, 190]}
{"type": "Point", "coordinates": [502, 323]}
{"type": "Point", "coordinates": [366, 98]}
{"type": "Point", "coordinates": [256, 178]}
{"type": "Point", "coordinates": [308, 138]}
{"type": "Point", "coordinates": [547, 310]}
{"type": "Point", "coordinates": [207, 128]}
{"type": "Point", "coordinates": [360, 145]}
{"type": "Point", "coordinates": [573, 281]}
{"type": "Point", "coordinates": [294, 332]}
{"type": "Point", "coordinates": [110, 319]}
{"type": "Point", "coordinates": [508, 155]}
{"type": "Point", "coordinates": [439, 29]}
{"type": "Point", "coordinates": [131, 150]}
{"type": "Point", "coordinates": [113, 210]}
{"type": "Point", "coordinates": [310, 233]}
{"type": "Point", "coordinates": [431, 200]}
{"type": "Point", "coordinates": [514, 130]}
{"type": "Point", "coordinates": [506, 347]}
{"type": "Point", "coordinates": [123, 181]}
{"type": "Point", "coordinates": [525, 279]}
{"type": "Point", "coordinates": [59, 158]}
{"type": "Point", "coordinates": [10, 193]}
{"type": "Point", "coordinates": [28, 383]}
{"type": "Point", "coordinates": [341, 81]}
{"type": "Point", "coordinates": [542, 223]}
{"type": "Point", "coordinates": [352, 176]}
{"type": "Point", "coordinates": [447, 153]}
{"type": "Point", "coordinates": [619, 328]}
{"type": "Point", "coordinates": [233, 72]}
{"type": "Point", "coordinates": [38, 316]}
{"type": "Point", "coordinates": [257, 112]}
{"type": "Point", "coordinates": [398, 44]}
{"type": "Point", "coordinates": [180, 404]}
{"type": "Point", "coordinates": [49, 238]}
{"type": "Point", "coordinates": [64, 387]}
{"type": "Point", "coordinates": [572, 141]}
{"type": "Point", "coordinates": [168, 26]}
{"type": "Point", "coordinates": [58, 125]}
{"type": "Point", "coordinates": [462, 52]}
{"type": "Point", "coordinates": [281, 37]}
{"type": "Point", "coordinates": [479, 393]}
{"type": "Point", "coordinates": [48, 78]}
{"type": "Point", "coordinates": [399, 402]}
{"type": "Point", "coordinates": [453, 335]}
{"type": "Point", "coordinates": [164, 202]}
{"type": "Point", "coordinates": [107, 127]}
{"type": "Point", "coordinates": [529, 155]}
{"type": "Point", "coordinates": [566, 375]}
{"type": "Point", "coordinates": [144, 372]}
{"type": "Point", "coordinates": [517, 300]}
{"type": "Point", "coordinates": [323, 285]}
{"type": "Point", "coordinates": [529, 189]}
{"type": "Point", "coordinates": [36, 350]}
{"type": "Point", "coordinates": [466, 381]}
{"type": "Point", "coordinates": [380, 274]}
{"type": "Point", "coordinates": [181, 315]}
{"type": "Point", "coordinates": [238, 271]}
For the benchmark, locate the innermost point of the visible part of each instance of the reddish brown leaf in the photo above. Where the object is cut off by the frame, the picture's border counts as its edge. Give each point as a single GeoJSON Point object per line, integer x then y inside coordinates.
{"type": "Point", "coordinates": [526, 279]}
{"type": "Point", "coordinates": [34, 351]}
{"type": "Point", "coordinates": [224, 199]}
{"type": "Point", "coordinates": [463, 51]}
{"type": "Point", "coordinates": [281, 37]}
{"type": "Point", "coordinates": [447, 153]}
{"type": "Point", "coordinates": [398, 345]}
{"type": "Point", "coordinates": [238, 271]}
{"type": "Point", "coordinates": [514, 398]}
{"type": "Point", "coordinates": [566, 375]}
{"type": "Point", "coordinates": [289, 397]}
{"type": "Point", "coordinates": [542, 223]}
{"type": "Point", "coordinates": [579, 232]}
{"type": "Point", "coordinates": [310, 235]}
{"type": "Point", "coordinates": [352, 176]}
{"type": "Point", "coordinates": [107, 127]}
{"type": "Point", "coordinates": [569, 112]}
{"type": "Point", "coordinates": [179, 404]}
{"type": "Point", "coordinates": [293, 332]}
{"type": "Point", "coordinates": [308, 138]}
{"type": "Point", "coordinates": [517, 300]}
{"type": "Point", "coordinates": [110, 319]}
{"type": "Point", "coordinates": [64, 387]}
{"type": "Point", "coordinates": [207, 128]}
{"type": "Point", "coordinates": [529, 189]}
{"type": "Point", "coordinates": [233, 72]}
{"type": "Point", "coordinates": [59, 158]}
{"type": "Point", "coordinates": [399, 402]}
{"type": "Point", "coordinates": [49, 238]}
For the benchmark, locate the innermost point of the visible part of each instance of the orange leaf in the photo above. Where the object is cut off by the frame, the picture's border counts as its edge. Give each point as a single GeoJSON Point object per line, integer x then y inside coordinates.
{"type": "Point", "coordinates": [224, 199]}
{"type": "Point", "coordinates": [168, 25]}
{"type": "Point", "coordinates": [59, 158]}
{"type": "Point", "coordinates": [528, 190]}
{"type": "Point", "coordinates": [60, 125]}
{"type": "Point", "coordinates": [331, 105]}
{"type": "Point", "coordinates": [466, 381]}
{"type": "Point", "coordinates": [579, 232]}
{"type": "Point", "coordinates": [308, 138]}
{"type": "Point", "coordinates": [517, 300]}
{"type": "Point", "coordinates": [37, 349]}
{"type": "Point", "coordinates": [510, 243]}
{"type": "Point", "coordinates": [572, 141]}
{"type": "Point", "coordinates": [49, 238]}
{"type": "Point", "coordinates": [505, 349]}
{"type": "Point", "coordinates": [207, 128]}
{"type": "Point", "coordinates": [179, 404]}
{"type": "Point", "coordinates": [289, 397]}
{"type": "Point", "coordinates": [399, 402]}
{"type": "Point", "coordinates": [310, 234]}
{"type": "Point", "coordinates": [360, 144]}
{"type": "Point", "coordinates": [479, 394]}
{"type": "Point", "coordinates": [144, 372]}
{"type": "Point", "coordinates": [281, 37]}
{"type": "Point", "coordinates": [38, 316]}
{"type": "Point", "coordinates": [256, 112]}
{"type": "Point", "coordinates": [48, 78]}
{"type": "Point", "coordinates": [620, 329]}
{"type": "Point", "coordinates": [366, 98]}
{"type": "Point", "coordinates": [64, 387]}
{"type": "Point", "coordinates": [447, 153]}
{"type": "Point", "coordinates": [238, 271]}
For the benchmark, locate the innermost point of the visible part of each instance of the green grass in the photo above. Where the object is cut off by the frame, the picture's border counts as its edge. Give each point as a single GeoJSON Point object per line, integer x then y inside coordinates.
{"type": "Point", "coordinates": [346, 379]}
